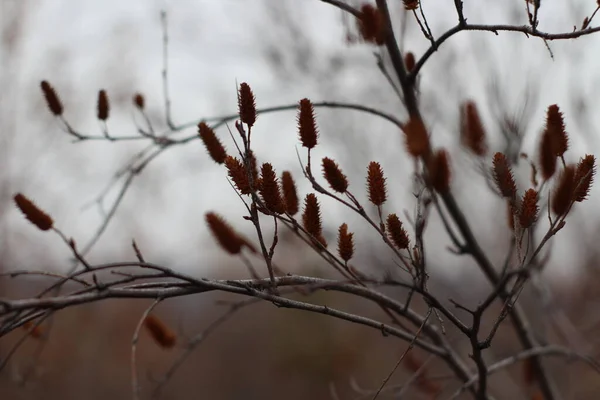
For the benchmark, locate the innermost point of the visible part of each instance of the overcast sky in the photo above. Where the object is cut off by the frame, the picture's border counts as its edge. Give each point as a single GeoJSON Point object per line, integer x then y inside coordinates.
{"type": "Point", "coordinates": [83, 46]}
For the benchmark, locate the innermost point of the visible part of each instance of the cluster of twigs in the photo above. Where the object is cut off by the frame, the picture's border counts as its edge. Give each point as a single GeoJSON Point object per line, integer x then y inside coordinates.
{"type": "Point", "coordinates": [273, 200]}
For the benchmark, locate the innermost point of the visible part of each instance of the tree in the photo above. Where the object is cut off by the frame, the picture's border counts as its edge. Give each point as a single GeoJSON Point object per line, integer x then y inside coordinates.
{"type": "Point", "coordinates": [273, 204]}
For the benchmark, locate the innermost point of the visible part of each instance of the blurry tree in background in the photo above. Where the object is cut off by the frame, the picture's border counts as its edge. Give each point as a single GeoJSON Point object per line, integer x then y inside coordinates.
{"type": "Point", "coordinates": [411, 165]}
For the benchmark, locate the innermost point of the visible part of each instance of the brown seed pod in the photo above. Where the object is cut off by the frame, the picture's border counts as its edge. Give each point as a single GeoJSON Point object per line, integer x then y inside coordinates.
{"type": "Point", "coordinates": [246, 105]}
{"type": "Point", "coordinates": [411, 5]}
{"type": "Point", "coordinates": [290, 196]}
{"type": "Point", "coordinates": [555, 128]}
{"type": "Point", "coordinates": [472, 130]}
{"type": "Point", "coordinates": [503, 176]}
{"type": "Point", "coordinates": [417, 139]}
{"type": "Point", "coordinates": [409, 61]}
{"type": "Point", "coordinates": [371, 25]}
{"type": "Point", "coordinates": [227, 238]}
{"type": "Point", "coordinates": [103, 105]}
{"type": "Point", "coordinates": [584, 177]}
{"type": "Point", "coordinates": [238, 174]}
{"type": "Point", "coordinates": [311, 217]}
{"type": "Point", "coordinates": [547, 158]}
{"type": "Point", "coordinates": [334, 176]}
{"type": "Point", "coordinates": [345, 243]}
{"type": "Point", "coordinates": [439, 171]}
{"type": "Point", "coordinates": [307, 126]}
{"type": "Point", "coordinates": [138, 101]}
{"type": "Point", "coordinates": [213, 145]}
{"type": "Point", "coordinates": [35, 215]}
{"type": "Point", "coordinates": [52, 99]}
{"type": "Point", "coordinates": [564, 192]}
{"type": "Point", "coordinates": [159, 331]}
{"type": "Point", "coordinates": [269, 189]}
{"type": "Point", "coordinates": [376, 185]}
{"type": "Point", "coordinates": [529, 209]}
{"type": "Point", "coordinates": [396, 232]}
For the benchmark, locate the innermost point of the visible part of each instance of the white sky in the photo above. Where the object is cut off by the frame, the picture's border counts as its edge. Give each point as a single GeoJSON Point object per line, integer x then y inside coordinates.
{"type": "Point", "coordinates": [82, 46]}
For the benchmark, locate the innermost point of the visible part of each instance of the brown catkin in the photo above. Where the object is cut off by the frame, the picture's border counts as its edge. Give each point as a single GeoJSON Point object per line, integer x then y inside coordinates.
{"type": "Point", "coordinates": [472, 130]}
{"type": "Point", "coordinates": [396, 232]}
{"type": "Point", "coordinates": [162, 335]}
{"type": "Point", "coordinates": [345, 243]}
{"type": "Point", "coordinates": [212, 143]}
{"type": "Point", "coordinates": [238, 174]}
{"type": "Point", "coordinates": [564, 191]}
{"type": "Point", "coordinates": [439, 171]}
{"type": "Point", "coordinates": [269, 189]}
{"type": "Point", "coordinates": [307, 126]}
{"type": "Point", "coordinates": [411, 5]}
{"type": "Point", "coordinates": [227, 238]}
{"type": "Point", "coordinates": [584, 177]}
{"type": "Point", "coordinates": [290, 195]}
{"type": "Point", "coordinates": [547, 157]}
{"type": "Point", "coordinates": [52, 99]}
{"type": "Point", "coordinates": [103, 105]}
{"type": "Point", "coordinates": [334, 176]}
{"type": "Point", "coordinates": [555, 128]}
{"type": "Point", "coordinates": [529, 209]}
{"type": "Point", "coordinates": [417, 139]}
{"type": "Point", "coordinates": [139, 101]}
{"type": "Point", "coordinates": [246, 104]}
{"type": "Point", "coordinates": [311, 217]}
{"type": "Point", "coordinates": [371, 25]}
{"type": "Point", "coordinates": [409, 61]}
{"type": "Point", "coordinates": [503, 176]}
{"type": "Point", "coordinates": [35, 215]}
{"type": "Point", "coordinates": [376, 184]}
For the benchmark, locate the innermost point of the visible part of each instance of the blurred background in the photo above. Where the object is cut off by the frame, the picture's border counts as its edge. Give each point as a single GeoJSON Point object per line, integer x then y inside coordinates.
{"type": "Point", "coordinates": [285, 50]}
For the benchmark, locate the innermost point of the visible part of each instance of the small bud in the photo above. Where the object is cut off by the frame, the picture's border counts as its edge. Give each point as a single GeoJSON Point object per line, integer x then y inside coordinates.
{"type": "Point", "coordinates": [227, 238]}
{"type": "Point", "coordinates": [334, 176]}
{"type": "Point", "coordinates": [409, 61]}
{"type": "Point", "coordinates": [372, 25]}
{"type": "Point", "coordinates": [307, 127]}
{"type": "Point", "coordinates": [376, 184]}
{"type": "Point", "coordinates": [36, 216]}
{"type": "Point", "coordinates": [503, 176]}
{"type": "Point", "coordinates": [52, 99]}
{"type": "Point", "coordinates": [411, 5]}
{"type": "Point", "coordinates": [103, 105]}
{"type": "Point", "coordinates": [345, 243]}
{"type": "Point", "coordinates": [213, 145]}
{"type": "Point", "coordinates": [269, 189]}
{"type": "Point", "coordinates": [238, 174]}
{"type": "Point", "coordinates": [584, 177]}
{"type": "Point", "coordinates": [417, 139]}
{"type": "Point", "coordinates": [246, 105]}
{"type": "Point", "coordinates": [311, 217]}
{"type": "Point", "coordinates": [529, 209]}
{"type": "Point", "coordinates": [564, 192]}
{"type": "Point", "coordinates": [161, 334]}
{"type": "Point", "coordinates": [290, 195]}
{"type": "Point", "coordinates": [396, 232]}
{"type": "Point", "coordinates": [139, 101]}
{"type": "Point", "coordinates": [472, 130]}
{"type": "Point", "coordinates": [555, 128]}
{"type": "Point", "coordinates": [439, 171]}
